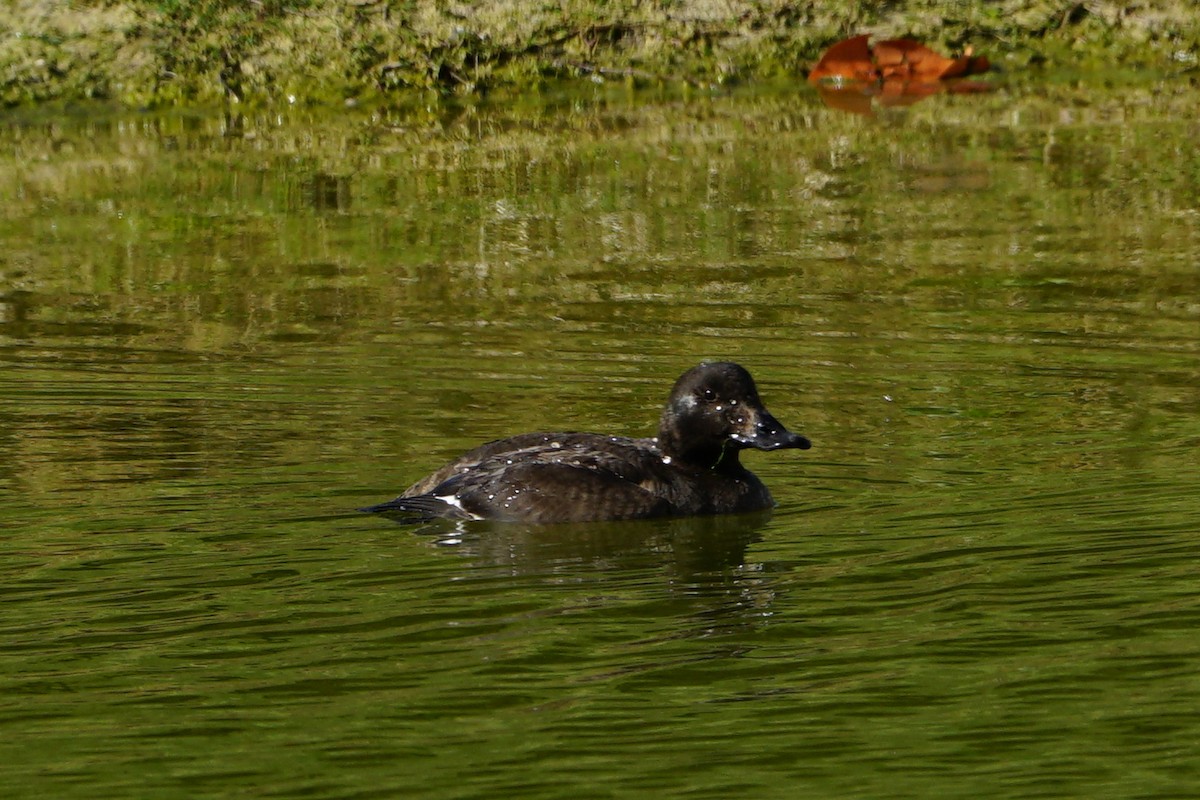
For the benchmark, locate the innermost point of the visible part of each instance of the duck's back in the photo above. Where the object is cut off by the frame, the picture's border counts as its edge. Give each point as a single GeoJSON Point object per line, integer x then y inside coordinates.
{"type": "Point", "coordinates": [574, 477]}
{"type": "Point", "coordinates": [533, 447]}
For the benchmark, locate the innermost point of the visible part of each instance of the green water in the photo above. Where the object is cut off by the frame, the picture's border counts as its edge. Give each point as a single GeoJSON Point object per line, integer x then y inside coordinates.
{"type": "Point", "coordinates": [219, 335]}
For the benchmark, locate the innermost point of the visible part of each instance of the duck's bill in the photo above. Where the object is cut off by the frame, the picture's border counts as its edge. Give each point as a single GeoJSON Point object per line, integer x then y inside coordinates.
{"type": "Point", "coordinates": [769, 434]}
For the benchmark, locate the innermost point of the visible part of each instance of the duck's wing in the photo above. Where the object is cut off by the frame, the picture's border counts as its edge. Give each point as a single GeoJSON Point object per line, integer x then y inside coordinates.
{"type": "Point", "coordinates": [510, 448]}
{"type": "Point", "coordinates": [566, 478]}
{"type": "Point", "coordinates": [559, 492]}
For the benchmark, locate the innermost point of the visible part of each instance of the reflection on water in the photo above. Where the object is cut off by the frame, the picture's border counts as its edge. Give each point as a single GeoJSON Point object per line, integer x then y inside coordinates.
{"type": "Point", "coordinates": [702, 559]}
{"type": "Point", "coordinates": [687, 548]}
{"type": "Point", "coordinates": [219, 336]}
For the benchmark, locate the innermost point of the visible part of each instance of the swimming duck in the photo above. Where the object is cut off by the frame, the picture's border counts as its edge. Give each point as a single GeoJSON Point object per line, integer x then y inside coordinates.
{"type": "Point", "coordinates": [690, 468]}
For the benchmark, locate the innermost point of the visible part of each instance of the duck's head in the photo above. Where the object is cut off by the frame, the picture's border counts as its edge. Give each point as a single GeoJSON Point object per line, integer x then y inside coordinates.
{"type": "Point", "coordinates": [713, 412]}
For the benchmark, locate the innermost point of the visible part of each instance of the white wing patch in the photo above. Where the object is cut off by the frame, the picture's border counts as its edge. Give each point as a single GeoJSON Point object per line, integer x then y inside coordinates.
{"type": "Point", "coordinates": [452, 500]}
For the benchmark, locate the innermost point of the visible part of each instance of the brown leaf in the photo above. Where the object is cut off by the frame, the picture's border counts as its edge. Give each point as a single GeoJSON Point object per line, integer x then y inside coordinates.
{"type": "Point", "coordinates": [849, 58]}
{"type": "Point", "coordinates": [893, 59]}
{"type": "Point", "coordinates": [895, 72]}
{"type": "Point", "coordinates": [957, 67]}
{"type": "Point", "coordinates": [923, 64]}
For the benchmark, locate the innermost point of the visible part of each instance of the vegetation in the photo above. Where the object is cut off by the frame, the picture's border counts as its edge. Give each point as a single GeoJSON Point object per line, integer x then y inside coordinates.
{"type": "Point", "coordinates": [163, 52]}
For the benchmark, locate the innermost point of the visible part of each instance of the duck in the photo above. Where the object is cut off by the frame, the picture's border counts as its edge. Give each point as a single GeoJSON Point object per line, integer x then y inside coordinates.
{"type": "Point", "coordinates": [691, 468]}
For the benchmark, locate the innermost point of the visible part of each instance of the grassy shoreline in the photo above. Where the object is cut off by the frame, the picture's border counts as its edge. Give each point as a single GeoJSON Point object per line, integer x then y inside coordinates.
{"type": "Point", "coordinates": [145, 53]}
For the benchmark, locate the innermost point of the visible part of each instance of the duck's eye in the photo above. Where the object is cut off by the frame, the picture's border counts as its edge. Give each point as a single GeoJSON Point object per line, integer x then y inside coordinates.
{"type": "Point", "coordinates": [710, 395]}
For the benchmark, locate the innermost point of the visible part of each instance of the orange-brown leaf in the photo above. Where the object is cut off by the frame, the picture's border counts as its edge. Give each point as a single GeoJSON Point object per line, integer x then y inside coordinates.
{"type": "Point", "coordinates": [979, 65]}
{"type": "Point", "coordinates": [923, 64]}
{"type": "Point", "coordinates": [966, 65]}
{"type": "Point", "coordinates": [894, 71]}
{"type": "Point", "coordinates": [849, 58]}
{"type": "Point", "coordinates": [957, 68]}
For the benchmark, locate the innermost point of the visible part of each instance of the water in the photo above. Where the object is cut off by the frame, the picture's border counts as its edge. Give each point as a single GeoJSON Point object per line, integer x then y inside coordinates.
{"type": "Point", "coordinates": [220, 335]}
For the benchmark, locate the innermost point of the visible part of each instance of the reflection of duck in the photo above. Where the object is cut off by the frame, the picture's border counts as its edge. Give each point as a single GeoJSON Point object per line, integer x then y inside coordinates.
{"type": "Point", "coordinates": [702, 565]}
{"type": "Point", "coordinates": [691, 468]}
{"type": "Point", "coordinates": [687, 547]}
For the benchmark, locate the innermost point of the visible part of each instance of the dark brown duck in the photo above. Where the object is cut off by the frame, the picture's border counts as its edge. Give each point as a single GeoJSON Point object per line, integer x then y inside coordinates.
{"type": "Point", "coordinates": [690, 468]}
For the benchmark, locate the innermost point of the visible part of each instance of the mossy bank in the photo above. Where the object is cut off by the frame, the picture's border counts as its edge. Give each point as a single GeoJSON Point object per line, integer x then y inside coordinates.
{"type": "Point", "coordinates": [165, 52]}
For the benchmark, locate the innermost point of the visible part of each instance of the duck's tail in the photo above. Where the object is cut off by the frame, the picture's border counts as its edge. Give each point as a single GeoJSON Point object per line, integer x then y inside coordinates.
{"type": "Point", "coordinates": [422, 508]}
